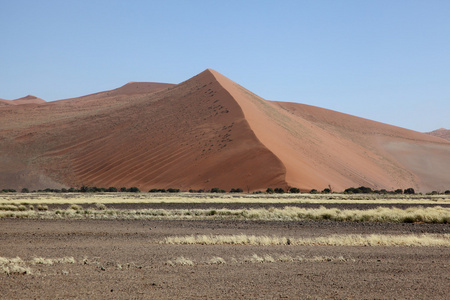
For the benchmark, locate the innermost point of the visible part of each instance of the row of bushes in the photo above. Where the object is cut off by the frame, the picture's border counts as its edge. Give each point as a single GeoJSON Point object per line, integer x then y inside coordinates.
{"type": "Point", "coordinates": [368, 190]}
{"type": "Point", "coordinates": [293, 190]}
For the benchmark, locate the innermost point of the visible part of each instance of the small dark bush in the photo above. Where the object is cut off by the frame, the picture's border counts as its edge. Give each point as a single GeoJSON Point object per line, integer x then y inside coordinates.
{"type": "Point", "coordinates": [409, 191]}
{"type": "Point", "coordinates": [112, 189]}
{"type": "Point", "coordinates": [123, 189]}
{"type": "Point", "coordinates": [279, 190]}
{"type": "Point", "coordinates": [25, 190]}
{"type": "Point", "coordinates": [313, 191]}
{"type": "Point", "coordinates": [326, 191]}
{"type": "Point", "coordinates": [398, 191]}
{"type": "Point", "coordinates": [215, 190]}
{"type": "Point", "coordinates": [170, 190]}
{"type": "Point", "coordinates": [447, 192]}
{"type": "Point", "coordinates": [133, 190]}
{"type": "Point", "coordinates": [294, 190]}
{"type": "Point", "coordinates": [365, 190]}
{"type": "Point", "coordinates": [269, 191]}
{"type": "Point", "coordinates": [238, 190]}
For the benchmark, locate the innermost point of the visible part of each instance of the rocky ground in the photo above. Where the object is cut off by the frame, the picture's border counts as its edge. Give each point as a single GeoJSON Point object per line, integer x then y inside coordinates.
{"type": "Point", "coordinates": [121, 259]}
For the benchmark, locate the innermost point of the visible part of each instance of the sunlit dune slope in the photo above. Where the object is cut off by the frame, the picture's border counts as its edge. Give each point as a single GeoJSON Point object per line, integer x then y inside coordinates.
{"type": "Point", "coordinates": [209, 132]}
{"type": "Point", "coordinates": [322, 148]}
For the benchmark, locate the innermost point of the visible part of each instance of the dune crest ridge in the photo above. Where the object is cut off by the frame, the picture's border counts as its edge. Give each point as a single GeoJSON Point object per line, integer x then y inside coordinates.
{"type": "Point", "coordinates": [207, 132]}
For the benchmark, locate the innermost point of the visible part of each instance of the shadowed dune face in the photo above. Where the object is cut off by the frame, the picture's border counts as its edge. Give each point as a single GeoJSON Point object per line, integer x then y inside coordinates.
{"type": "Point", "coordinates": [208, 132]}
{"type": "Point", "coordinates": [192, 135]}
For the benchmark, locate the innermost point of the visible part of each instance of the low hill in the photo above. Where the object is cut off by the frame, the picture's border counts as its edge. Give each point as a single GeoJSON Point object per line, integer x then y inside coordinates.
{"type": "Point", "coordinates": [442, 133]}
{"type": "Point", "coordinates": [209, 132]}
{"type": "Point", "coordinates": [29, 99]}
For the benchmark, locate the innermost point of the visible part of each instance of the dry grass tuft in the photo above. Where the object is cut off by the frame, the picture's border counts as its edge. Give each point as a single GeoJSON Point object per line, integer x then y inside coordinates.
{"type": "Point", "coordinates": [52, 261]}
{"type": "Point", "coordinates": [259, 259]}
{"type": "Point", "coordinates": [100, 206]}
{"type": "Point", "coordinates": [410, 240]}
{"type": "Point", "coordinates": [216, 261]}
{"type": "Point", "coordinates": [17, 266]}
{"type": "Point", "coordinates": [180, 261]}
{"type": "Point", "coordinates": [13, 266]}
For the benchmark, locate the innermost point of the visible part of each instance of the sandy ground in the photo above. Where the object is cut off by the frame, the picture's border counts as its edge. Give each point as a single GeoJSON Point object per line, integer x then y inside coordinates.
{"type": "Point", "coordinates": [123, 259]}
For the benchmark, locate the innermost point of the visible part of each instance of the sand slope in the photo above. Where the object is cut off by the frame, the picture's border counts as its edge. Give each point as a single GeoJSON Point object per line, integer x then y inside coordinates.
{"type": "Point", "coordinates": [209, 132]}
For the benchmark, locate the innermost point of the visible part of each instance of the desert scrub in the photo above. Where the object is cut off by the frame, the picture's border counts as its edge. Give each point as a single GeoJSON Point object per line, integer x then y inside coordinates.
{"type": "Point", "coordinates": [100, 206]}
{"type": "Point", "coordinates": [410, 240]}
{"type": "Point", "coordinates": [42, 207]}
{"type": "Point", "coordinates": [436, 214]}
{"type": "Point", "coordinates": [105, 198]}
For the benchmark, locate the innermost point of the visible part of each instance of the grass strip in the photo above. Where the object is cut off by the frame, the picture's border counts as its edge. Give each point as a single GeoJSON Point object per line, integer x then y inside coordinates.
{"type": "Point", "coordinates": [107, 198]}
{"type": "Point", "coordinates": [409, 240]}
{"type": "Point", "coordinates": [435, 214]}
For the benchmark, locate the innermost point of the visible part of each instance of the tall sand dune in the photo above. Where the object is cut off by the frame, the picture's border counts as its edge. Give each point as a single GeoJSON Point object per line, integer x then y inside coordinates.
{"type": "Point", "coordinates": [209, 132]}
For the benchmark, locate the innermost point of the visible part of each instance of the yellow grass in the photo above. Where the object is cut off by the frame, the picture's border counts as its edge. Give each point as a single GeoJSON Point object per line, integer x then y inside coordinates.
{"type": "Point", "coordinates": [17, 266]}
{"type": "Point", "coordinates": [13, 266]}
{"type": "Point", "coordinates": [106, 198]}
{"type": "Point", "coordinates": [409, 240]}
{"type": "Point", "coordinates": [258, 259]}
{"type": "Point", "coordinates": [52, 261]}
{"type": "Point", "coordinates": [435, 214]}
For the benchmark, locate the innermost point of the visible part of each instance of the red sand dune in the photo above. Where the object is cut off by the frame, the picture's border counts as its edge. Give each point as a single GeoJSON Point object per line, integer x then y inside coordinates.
{"type": "Point", "coordinates": [209, 132]}
{"type": "Point", "coordinates": [442, 133]}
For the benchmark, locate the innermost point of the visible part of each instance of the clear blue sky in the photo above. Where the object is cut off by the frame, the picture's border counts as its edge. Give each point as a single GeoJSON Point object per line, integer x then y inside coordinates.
{"type": "Point", "coordinates": [387, 61]}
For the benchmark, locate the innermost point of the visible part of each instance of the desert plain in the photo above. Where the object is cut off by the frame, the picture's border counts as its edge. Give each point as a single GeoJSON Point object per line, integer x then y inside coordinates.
{"type": "Point", "coordinates": [193, 246]}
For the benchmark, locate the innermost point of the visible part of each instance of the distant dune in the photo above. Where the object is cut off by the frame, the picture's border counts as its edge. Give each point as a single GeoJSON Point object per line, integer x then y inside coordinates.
{"type": "Point", "coordinates": [442, 133]}
{"type": "Point", "coordinates": [30, 99]}
{"type": "Point", "coordinates": [209, 132]}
